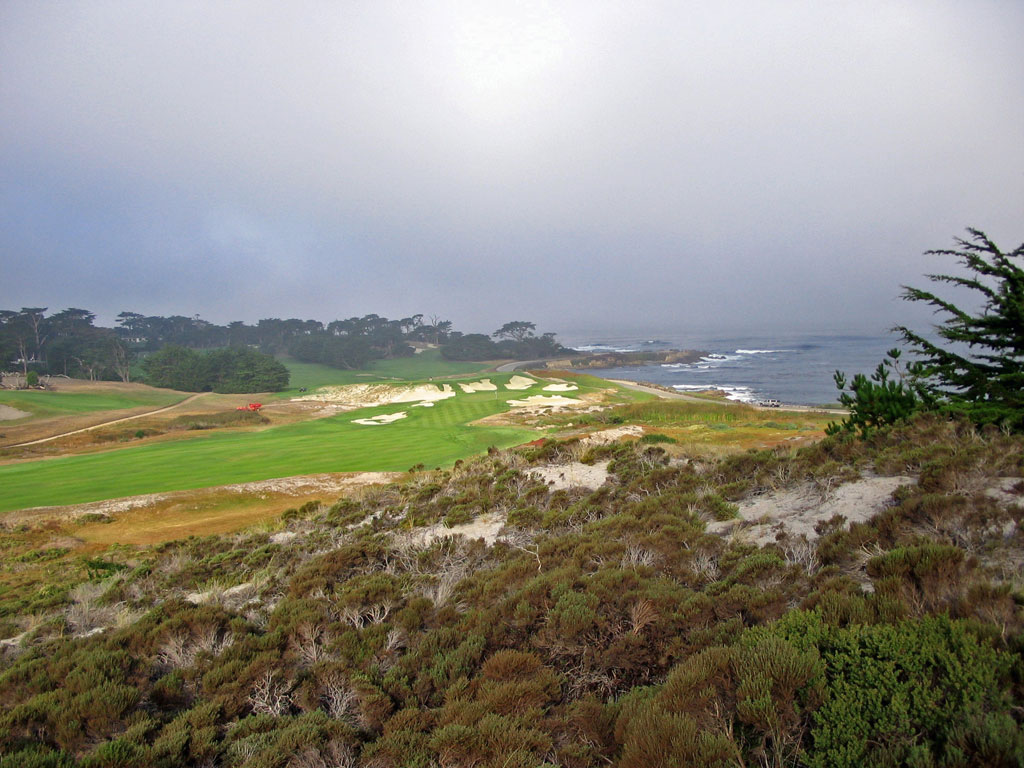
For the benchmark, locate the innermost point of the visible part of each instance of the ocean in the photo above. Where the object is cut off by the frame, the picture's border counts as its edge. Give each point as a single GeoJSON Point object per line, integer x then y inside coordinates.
{"type": "Point", "coordinates": [795, 368]}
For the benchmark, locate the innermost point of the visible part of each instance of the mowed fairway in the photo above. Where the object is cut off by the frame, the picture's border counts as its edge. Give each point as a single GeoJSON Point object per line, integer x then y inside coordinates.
{"type": "Point", "coordinates": [434, 436]}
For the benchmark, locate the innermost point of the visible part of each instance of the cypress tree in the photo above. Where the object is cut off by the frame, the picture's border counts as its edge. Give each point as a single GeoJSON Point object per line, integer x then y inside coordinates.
{"type": "Point", "coordinates": [980, 371]}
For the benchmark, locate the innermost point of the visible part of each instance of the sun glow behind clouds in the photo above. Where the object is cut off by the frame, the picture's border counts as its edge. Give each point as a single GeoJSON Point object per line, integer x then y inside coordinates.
{"type": "Point", "coordinates": [504, 59]}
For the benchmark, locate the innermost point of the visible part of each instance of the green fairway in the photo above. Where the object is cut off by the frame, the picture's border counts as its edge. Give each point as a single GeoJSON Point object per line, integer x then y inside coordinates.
{"type": "Point", "coordinates": [42, 404]}
{"type": "Point", "coordinates": [426, 365]}
{"type": "Point", "coordinates": [434, 436]}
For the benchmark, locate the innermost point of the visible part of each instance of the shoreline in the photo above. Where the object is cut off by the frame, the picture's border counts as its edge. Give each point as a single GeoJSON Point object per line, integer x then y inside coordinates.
{"type": "Point", "coordinates": [669, 393]}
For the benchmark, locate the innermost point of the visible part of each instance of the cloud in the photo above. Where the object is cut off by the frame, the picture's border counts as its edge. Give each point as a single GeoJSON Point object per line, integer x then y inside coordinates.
{"type": "Point", "coordinates": [783, 162]}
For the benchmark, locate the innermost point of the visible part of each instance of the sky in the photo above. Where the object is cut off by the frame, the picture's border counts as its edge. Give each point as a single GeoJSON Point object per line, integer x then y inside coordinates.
{"type": "Point", "coordinates": [736, 165]}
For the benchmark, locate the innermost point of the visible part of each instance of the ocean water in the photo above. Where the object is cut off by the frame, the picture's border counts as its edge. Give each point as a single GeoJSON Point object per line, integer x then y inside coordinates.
{"type": "Point", "coordinates": [795, 368]}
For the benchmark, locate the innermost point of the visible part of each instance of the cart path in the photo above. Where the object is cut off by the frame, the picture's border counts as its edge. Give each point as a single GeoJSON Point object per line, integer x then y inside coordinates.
{"type": "Point", "coordinates": [108, 423]}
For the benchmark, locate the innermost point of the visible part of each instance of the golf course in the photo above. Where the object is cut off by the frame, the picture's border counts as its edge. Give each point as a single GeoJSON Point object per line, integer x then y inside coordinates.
{"type": "Point", "coordinates": [393, 436]}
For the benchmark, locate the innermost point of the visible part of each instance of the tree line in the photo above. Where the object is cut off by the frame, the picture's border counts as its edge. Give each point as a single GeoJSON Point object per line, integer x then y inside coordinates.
{"type": "Point", "coordinates": [69, 342]}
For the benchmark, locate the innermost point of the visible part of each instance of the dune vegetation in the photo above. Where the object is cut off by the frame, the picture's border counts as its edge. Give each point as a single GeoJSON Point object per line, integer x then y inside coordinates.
{"type": "Point", "coordinates": [606, 624]}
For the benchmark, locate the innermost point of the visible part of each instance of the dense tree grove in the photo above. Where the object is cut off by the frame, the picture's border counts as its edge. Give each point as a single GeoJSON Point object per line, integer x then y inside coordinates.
{"type": "Point", "coordinates": [68, 342]}
{"type": "Point", "coordinates": [518, 345]}
{"type": "Point", "coordinates": [605, 627]}
{"type": "Point", "coordinates": [235, 369]}
{"type": "Point", "coordinates": [976, 369]}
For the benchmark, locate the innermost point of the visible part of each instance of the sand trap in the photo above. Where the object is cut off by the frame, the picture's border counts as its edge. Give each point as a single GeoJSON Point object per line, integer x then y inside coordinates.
{"type": "Point", "coordinates": [422, 405]}
{"type": "Point", "coordinates": [7, 413]}
{"type": "Point", "coordinates": [365, 395]}
{"type": "Point", "coordinates": [519, 382]}
{"type": "Point", "coordinates": [799, 510]}
{"type": "Point", "coordinates": [385, 418]}
{"type": "Point", "coordinates": [560, 387]}
{"type": "Point", "coordinates": [484, 385]}
{"type": "Point", "coordinates": [542, 401]}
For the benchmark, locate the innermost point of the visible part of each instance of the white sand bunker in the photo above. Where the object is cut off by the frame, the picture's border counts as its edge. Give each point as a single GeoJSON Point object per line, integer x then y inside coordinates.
{"type": "Point", "coordinates": [519, 382]}
{"type": "Point", "coordinates": [484, 385]}
{"type": "Point", "coordinates": [365, 395]}
{"type": "Point", "coordinates": [422, 405]}
{"type": "Point", "coordinates": [565, 387]}
{"type": "Point", "coordinates": [385, 418]}
{"type": "Point", "coordinates": [541, 401]}
{"type": "Point", "coordinates": [7, 413]}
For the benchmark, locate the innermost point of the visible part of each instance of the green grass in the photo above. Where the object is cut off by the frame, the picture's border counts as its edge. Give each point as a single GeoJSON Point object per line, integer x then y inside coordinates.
{"type": "Point", "coordinates": [42, 404]}
{"type": "Point", "coordinates": [433, 436]}
{"type": "Point", "coordinates": [426, 365]}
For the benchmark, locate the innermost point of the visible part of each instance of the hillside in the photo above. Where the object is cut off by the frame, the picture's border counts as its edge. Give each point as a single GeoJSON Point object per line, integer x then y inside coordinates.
{"type": "Point", "coordinates": [847, 603]}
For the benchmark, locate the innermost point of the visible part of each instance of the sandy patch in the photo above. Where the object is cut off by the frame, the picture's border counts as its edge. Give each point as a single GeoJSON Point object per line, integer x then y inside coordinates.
{"type": "Point", "coordinates": [485, 527]}
{"type": "Point", "coordinates": [299, 485]}
{"type": "Point", "coordinates": [484, 385]}
{"type": "Point", "coordinates": [422, 405]}
{"type": "Point", "coordinates": [520, 382]}
{"type": "Point", "coordinates": [565, 387]}
{"type": "Point", "coordinates": [7, 413]}
{"type": "Point", "coordinates": [799, 510]}
{"type": "Point", "coordinates": [573, 475]}
{"type": "Point", "coordinates": [365, 395]}
{"type": "Point", "coordinates": [542, 401]}
{"type": "Point", "coordinates": [384, 418]}
{"type": "Point", "coordinates": [612, 435]}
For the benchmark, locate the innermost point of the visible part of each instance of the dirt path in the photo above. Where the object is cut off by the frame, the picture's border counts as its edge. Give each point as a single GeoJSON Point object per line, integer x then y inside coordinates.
{"type": "Point", "coordinates": [108, 423]}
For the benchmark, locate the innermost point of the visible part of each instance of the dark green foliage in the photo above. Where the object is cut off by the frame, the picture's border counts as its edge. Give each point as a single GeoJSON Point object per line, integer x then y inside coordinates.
{"type": "Point", "coordinates": [656, 437]}
{"type": "Point", "coordinates": [231, 370]}
{"type": "Point", "coordinates": [518, 342]}
{"type": "Point", "coordinates": [980, 368]}
{"type": "Point", "coordinates": [924, 693]}
{"type": "Point", "coordinates": [976, 370]}
{"type": "Point", "coordinates": [876, 402]}
{"type": "Point", "coordinates": [349, 352]}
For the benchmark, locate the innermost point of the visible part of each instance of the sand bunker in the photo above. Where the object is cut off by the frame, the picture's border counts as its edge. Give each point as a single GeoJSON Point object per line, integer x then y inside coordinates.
{"type": "Point", "coordinates": [422, 405]}
{"type": "Point", "coordinates": [384, 418]}
{"type": "Point", "coordinates": [560, 387]}
{"type": "Point", "coordinates": [365, 395]}
{"type": "Point", "coordinates": [542, 401]}
{"type": "Point", "coordinates": [7, 413]}
{"type": "Point", "coordinates": [484, 385]}
{"type": "Point", "coordinates": [519, 382]}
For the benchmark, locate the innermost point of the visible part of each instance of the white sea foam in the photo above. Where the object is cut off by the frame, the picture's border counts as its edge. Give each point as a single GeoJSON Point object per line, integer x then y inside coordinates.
{"type": "Point", "coordinates": [759, 351]}
{"type": "Point", "coordinates": [739, 393]}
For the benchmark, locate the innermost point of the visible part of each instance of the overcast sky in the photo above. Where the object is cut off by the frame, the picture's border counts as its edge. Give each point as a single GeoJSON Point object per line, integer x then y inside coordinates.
{"type": "Point", "coordinates": [579, 164]}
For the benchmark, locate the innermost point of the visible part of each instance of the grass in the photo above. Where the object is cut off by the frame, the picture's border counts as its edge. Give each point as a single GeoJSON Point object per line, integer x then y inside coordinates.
{"type": "Point", "coordinates": [426, 365]}
{"type": "Point", "coordinates": [433, 436]}
{"type": "Point", "coordinates": [43, 404]}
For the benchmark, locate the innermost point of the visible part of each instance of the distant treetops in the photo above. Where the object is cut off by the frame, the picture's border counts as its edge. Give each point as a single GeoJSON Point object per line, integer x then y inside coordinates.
{"type": "Point", "coordinates": [69, 343]}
